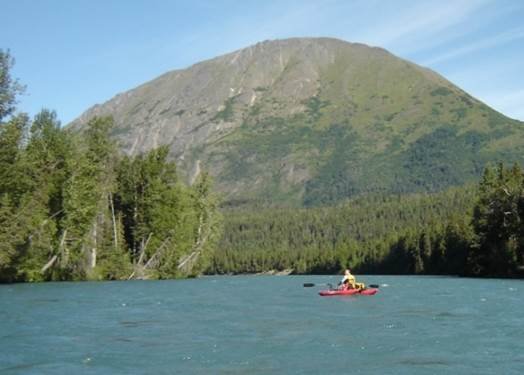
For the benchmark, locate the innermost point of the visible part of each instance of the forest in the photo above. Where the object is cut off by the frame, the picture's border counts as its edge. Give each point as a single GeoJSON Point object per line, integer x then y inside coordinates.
{"type": "Point", "coordinates": [474, 230]}
{"type": "Point", "coordinates": [72, 207]}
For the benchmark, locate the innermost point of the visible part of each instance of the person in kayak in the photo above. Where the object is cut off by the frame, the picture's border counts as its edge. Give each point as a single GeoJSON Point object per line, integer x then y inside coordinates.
{"type": "Point", "coordinates": [349, 281]}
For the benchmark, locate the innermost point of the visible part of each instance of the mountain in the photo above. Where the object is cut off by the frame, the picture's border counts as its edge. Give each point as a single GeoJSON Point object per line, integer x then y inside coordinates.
{"type": "Point", "coordinates": [311, 121]}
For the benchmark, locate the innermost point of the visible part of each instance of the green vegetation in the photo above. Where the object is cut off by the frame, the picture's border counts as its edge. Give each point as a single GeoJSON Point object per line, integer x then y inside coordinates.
{"type": "Point", "coordinates": [343, 161]}
{"type": "Point", "coordinates": [374, 233]}
{"type": "Point", "coordinates": [323, 189]}
{"type": "Point", "coordinates": [498, 221]}
{"type": "Point", "coordinates": [471, 230]}
{"type": "Point", "coordinates": [76, 210]}
{"type": "Point", "coordinates": [9, 88]}
{"type": "Point", "coordinates": [226, 114]}
{"type": "Point", "coordinates": [314, 106]}
{"type": "Point", "coordinates": [351, 140]}
{"type": "Point", "coordinates": [72, 208]}
{"type": "Point", "coordinates": [443, 91]}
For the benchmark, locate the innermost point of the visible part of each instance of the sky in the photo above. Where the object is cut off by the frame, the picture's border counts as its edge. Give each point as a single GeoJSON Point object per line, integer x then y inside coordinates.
{"type": "Point", "coordinates": [72, 54]}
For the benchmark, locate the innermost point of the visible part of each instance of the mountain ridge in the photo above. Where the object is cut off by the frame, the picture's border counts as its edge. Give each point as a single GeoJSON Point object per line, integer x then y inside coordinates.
{"type": "Point", "coordinates": [306, 121]}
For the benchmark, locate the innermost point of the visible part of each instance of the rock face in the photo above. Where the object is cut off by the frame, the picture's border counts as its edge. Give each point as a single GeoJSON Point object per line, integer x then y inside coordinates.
{"type": "Point", "coordinates": [312, 121]}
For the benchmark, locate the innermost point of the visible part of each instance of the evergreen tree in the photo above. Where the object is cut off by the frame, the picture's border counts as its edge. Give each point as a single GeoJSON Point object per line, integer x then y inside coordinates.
{"type": "Point", "coordinates": [113, 261]}
{"type": "Point", "coordinates": [11, 238]}
{"type": "Point", "coordinates": [9, 88]}
{"type": "Point", "coordinates": [86, 198]}
{"type": "Point", "coordinates": [496, 221]}
{"type": "Point", "coordinates": [13, 138]}
{"type": "Point", "coordinates": [43, 165]}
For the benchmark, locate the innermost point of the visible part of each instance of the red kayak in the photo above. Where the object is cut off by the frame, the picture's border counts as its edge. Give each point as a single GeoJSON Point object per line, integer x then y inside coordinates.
{"type": "Point", "coordinates": [348, 292]}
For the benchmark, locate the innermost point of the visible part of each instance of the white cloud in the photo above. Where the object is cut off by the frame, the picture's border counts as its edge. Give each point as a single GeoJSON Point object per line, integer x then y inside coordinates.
{"type": "Point", "coordinates": [497, 40]}
{"type": "Point", "coordinates": [423, 21]}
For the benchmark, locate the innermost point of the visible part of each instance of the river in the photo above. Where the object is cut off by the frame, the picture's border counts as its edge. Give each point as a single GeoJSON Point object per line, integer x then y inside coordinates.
{"type": "Point", "coordinates": [263, 325]}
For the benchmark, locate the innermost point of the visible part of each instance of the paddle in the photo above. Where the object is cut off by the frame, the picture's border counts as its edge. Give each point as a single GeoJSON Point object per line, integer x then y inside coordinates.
{"type": "Point", "coordinates": [309, 285]}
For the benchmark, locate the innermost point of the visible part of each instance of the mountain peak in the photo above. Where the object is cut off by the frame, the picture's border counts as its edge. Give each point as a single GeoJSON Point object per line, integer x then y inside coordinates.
{"type": "Point", "coordinates": [313, 120]}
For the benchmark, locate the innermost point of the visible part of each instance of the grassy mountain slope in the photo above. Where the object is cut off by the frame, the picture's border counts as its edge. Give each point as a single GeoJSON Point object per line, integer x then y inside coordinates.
{"type": "Point", "coordinates": [311, 121]}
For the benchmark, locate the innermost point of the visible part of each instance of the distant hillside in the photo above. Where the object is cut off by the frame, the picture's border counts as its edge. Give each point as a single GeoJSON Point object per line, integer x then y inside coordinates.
{"type": "Point", "coordinates": [311, 121]}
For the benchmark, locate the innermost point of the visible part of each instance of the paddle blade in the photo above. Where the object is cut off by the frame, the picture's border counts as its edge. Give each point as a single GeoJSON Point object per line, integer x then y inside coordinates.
{"type": "Point", "coordinates": [374, 286]}
{"type": "Point", "coordinates": [308, 285]}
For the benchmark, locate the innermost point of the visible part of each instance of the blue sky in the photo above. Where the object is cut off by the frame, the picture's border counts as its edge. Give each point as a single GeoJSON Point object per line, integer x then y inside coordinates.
{"type": "Point", "coordinates": [74, 54]}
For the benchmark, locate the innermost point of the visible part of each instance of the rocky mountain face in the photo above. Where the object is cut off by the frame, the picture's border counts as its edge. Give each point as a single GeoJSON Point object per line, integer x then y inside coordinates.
{"type": "Point", "coordinates": [311, 121]}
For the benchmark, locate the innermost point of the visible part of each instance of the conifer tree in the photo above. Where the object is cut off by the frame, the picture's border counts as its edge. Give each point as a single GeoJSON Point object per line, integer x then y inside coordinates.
{"type": "Point", "coordinates": [85, 199]}
{"type": "Point", "coordinates": [496, 221]}
{"type": "Point", "coordinates": [11, 239]}
{"type": "Point", "coordinates": [13, 138]}
{"type": "Point", "coordinates": [10, 88]}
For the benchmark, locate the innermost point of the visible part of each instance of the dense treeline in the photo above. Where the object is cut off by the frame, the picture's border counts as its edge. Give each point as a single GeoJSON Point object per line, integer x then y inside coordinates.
{"type": "Point", "coordinates": [72, 208]}
{"type": "Point", "coordinates": [368, 234]}
{"type": "Point", "coordinates": [474, 230]}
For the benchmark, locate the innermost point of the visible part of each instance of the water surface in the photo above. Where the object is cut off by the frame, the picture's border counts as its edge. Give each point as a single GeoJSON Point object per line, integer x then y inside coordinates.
{"type": "Point", "coordinates": [261, 325]}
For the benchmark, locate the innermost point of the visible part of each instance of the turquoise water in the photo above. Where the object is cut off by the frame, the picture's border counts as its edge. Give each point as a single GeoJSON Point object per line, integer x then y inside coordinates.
{"type": "Point", "coordinates": [262, 325]}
